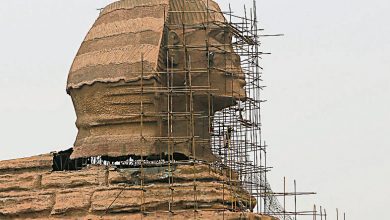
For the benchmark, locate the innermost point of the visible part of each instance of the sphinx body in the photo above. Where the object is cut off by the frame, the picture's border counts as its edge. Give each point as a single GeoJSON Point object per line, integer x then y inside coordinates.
{"type": "Point", "coordinates": [142, 69]}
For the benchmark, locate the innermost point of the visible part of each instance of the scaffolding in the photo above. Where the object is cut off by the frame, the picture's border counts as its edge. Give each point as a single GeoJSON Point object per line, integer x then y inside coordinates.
{"type": "Point", "coordinates": [234, 133]}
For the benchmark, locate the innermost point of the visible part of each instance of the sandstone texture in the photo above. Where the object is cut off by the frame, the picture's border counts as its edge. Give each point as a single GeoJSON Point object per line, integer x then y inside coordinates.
{"type": "Point", "coordinates": [34, 191]}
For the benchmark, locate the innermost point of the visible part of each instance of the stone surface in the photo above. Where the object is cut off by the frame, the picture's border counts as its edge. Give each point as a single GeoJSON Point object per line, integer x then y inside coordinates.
{"type": "Point", "coordinates": [71, 201]}
{"type": "Point", "coordinates": [95, 176]}
{"type": "Point", "coordinates": [40, 162]}
{"type": "Point", "coordinates": [24, 181]}
{"type": "Point", "coordinates": [116, 193]}
{"type": "Point", "coordinates": [34, 203]}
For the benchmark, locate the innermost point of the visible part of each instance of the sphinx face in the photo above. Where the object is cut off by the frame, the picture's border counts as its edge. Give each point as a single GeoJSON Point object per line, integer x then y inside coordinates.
{"type": "Point", "coordinates": [205, 76]}
{"type": "Point", "coordinates": [209, 57]}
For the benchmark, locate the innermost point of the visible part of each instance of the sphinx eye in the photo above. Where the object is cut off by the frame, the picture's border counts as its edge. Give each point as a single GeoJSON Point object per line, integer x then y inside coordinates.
{"type": "Point", "coordinates": [220, 35]}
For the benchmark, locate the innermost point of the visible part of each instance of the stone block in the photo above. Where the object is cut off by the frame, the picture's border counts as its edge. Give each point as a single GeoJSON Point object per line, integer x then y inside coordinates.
{"type": "Point", "coordinates": [28, 204]}
{"type": "Point", "coordinates": [68, 201]}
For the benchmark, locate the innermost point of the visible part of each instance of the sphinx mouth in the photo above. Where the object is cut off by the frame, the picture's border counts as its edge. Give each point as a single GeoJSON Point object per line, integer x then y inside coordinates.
{"type": "Point", "coordinates": [241, 82]}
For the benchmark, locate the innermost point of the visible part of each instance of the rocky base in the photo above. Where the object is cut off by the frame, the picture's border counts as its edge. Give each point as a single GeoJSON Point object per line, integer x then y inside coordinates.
{"type": "Point", "coordinates": [29, 189]}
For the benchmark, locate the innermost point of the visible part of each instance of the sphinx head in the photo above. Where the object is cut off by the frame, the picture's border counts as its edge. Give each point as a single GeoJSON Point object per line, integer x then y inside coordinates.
{"type": "Point", "coordinates": [148, 79]}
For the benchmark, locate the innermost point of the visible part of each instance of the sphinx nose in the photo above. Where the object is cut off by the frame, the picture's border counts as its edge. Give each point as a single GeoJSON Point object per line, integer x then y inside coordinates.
{"type": "Point", "coordinates": [240, 73]}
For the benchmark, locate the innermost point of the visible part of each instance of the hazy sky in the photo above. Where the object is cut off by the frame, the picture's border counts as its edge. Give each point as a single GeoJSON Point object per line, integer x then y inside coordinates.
{"type": "Point", "coordinates": [327, 119]}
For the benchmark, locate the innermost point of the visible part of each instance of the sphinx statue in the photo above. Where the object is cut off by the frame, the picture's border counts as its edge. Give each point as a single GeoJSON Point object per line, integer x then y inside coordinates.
{"type": "Point", "coordinates": [148, 79]}
{"type": "Point", "coordinates": [147, 84]}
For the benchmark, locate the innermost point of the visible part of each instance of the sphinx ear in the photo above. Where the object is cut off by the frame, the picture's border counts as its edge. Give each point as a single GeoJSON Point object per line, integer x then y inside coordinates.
{"type": "Point", "coordinates": [174, 43]}
{"type": "Point", "coordinates": [173, 39]}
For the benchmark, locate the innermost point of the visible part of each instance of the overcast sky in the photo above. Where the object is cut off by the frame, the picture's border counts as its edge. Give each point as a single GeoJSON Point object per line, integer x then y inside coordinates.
{"type": "Point", "coordinates": [327, 119]}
